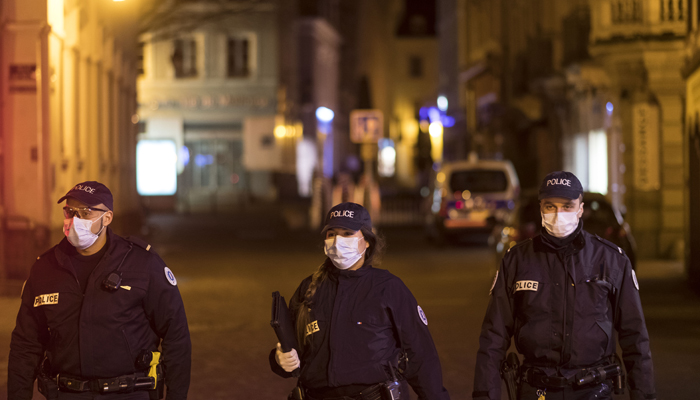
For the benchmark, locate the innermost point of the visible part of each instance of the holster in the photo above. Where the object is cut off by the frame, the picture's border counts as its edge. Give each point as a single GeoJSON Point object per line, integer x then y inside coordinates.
{"type": "Point", "coordinates": [296, 394]}
{"type": "Point", "coordinates": [48, 387]}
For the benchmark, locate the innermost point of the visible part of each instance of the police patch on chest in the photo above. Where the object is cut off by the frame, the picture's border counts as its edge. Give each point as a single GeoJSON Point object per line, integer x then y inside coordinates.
{"type": "Point", "coordinates": [312, 328]}
{"type": "Point", "coordinates": [46, 299]}
{"type": "Point", "coordinates": [526, 285]}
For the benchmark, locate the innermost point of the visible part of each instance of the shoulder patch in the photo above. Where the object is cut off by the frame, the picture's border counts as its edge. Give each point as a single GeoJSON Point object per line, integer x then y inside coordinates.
{"type": "Point", "coordinates": [422, 316]}
{"type": "Point", "coordinates": [139, 242]}
{"type": "Point", "coordinates": [634, 279]}
{"type": "Point", "coordinates": [170, 276]}
{"type": "Point", "coordinates": [610, 244]}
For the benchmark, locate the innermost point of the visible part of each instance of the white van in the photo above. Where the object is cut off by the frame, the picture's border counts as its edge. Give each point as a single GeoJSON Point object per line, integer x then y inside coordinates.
{"type": "Point", "coordinates": [471, 197]}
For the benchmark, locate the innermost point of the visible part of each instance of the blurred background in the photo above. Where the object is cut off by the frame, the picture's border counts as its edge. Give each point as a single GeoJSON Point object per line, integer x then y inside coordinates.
{"type": "Point", "coordinates": [227, 128]}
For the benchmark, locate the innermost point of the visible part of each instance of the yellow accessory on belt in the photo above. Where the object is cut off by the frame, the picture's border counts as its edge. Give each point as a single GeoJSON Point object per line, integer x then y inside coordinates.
{"type": "Point", "coordinates": [153, 368]}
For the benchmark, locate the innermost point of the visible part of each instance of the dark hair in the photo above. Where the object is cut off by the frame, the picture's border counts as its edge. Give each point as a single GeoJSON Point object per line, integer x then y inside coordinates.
{"type": "Point", "coordinates": [372, 256]}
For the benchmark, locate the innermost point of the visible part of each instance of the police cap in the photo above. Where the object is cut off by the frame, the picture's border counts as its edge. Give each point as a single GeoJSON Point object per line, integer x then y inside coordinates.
{"type": "Point", "coordinates": [560, 184]}
{"type": "Point", "coordinates": [349, 216]}
{"type": "Point", "coordinates": [91, 193]}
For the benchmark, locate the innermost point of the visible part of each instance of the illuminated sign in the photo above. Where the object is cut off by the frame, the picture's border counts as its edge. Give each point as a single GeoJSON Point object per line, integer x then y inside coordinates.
{"type": "Point", "coordinates": [156, 167]}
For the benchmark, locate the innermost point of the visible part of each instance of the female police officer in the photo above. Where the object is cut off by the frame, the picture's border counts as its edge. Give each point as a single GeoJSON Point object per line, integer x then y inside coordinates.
{"type": "Point", "coordinates": [358, 327]}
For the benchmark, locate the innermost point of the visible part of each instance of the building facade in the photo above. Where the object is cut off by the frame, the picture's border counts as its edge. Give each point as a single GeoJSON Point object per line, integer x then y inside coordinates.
{"type": "Point", "coordinates": [594, 87]}
{"type": "Point", "coordinates": [68, 96]}
{"type": "Point", "coordinates": [399, 65]}
{"type": "Point", "coordinates": [691, 144]}
{"type": "Point", "coordinates": [211, 89]}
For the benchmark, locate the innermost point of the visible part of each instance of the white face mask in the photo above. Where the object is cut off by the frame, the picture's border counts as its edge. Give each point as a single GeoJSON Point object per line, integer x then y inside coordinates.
{"type": "Point", "coordinates": [80, 233]}
{"type": "Point", "coordinates": [561, 224]}
{"type": "Point", "coordinates": [343, 251]}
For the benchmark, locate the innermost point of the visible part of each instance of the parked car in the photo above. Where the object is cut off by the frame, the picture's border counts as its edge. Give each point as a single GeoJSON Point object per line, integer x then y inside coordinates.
{"type": "Point", "coordinates": [599, 218]}
{"type": "Point", "coordinates": [471, 197]}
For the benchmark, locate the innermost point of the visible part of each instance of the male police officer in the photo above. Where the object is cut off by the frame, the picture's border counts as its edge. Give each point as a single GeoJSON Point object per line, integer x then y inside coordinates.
{"type": "Point", "coordinates": [94, 311]}
{"type": "Point", "coordinates": [560, 295]}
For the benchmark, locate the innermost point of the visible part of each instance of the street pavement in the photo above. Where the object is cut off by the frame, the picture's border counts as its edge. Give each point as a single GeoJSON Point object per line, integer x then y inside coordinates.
{"type": "Point", "coordinates": [228, 266]}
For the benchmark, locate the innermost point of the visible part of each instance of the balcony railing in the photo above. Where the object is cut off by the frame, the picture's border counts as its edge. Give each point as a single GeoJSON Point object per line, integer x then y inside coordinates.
{"type": "Point", "coordinates": [626, 11]}
{"type": "Point", "coordinates": [672, 10]}
{"type": "Point", "coordinates": [611, 19]}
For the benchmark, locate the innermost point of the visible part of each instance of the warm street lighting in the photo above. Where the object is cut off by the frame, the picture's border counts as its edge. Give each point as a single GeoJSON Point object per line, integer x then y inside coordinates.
{"type": "Point", "coordinates": [435, 129]}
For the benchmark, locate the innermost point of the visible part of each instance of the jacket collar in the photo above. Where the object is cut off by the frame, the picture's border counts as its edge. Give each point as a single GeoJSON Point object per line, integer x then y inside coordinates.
{"type": "Point", "coordinates": [64, 250]}
{"type": "Point", "coordinates": [336, 273]}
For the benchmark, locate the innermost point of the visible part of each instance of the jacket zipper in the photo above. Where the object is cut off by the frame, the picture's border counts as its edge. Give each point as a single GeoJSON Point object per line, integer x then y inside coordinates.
{"type": "Point", "coordinates": [566, 299]}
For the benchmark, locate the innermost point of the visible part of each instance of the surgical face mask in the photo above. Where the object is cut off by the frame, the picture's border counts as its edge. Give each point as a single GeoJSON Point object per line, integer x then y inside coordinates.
{"type": "Point", "coordinates": [343, 251]}
{"type": "Point", "coordinates": [80, 233]}
{"type": "Point", "coordinates": [561, 224]}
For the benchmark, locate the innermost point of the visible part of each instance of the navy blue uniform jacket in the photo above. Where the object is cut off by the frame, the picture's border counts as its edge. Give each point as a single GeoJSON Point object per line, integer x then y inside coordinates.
{"type": "Point", "coordinates": [356, 319]}
{"type": "Point", "coordinates": [562, 309]}
{"type": "Point", "coordinates": [98, 334]}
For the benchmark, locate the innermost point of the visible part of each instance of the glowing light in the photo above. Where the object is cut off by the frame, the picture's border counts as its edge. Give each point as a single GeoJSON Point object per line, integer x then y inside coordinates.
{"type": "Point", "coordinates": [442, 103]}
{"type": "Point", "coordinates": [434, 115]}
{"type": "Point", "coordinates": [466, 195]}
{"type": "Point", "coordinates": [388, 161]}
{"type": "Point", "coordinates": [447, 122]}
{"type": "Point", "coordinates": [135, 119]}
{"type": "Point", "coordinates": [156, 167]}
{"type": "Point", "coordinates": [424, 125]}
{"type": "Point", "coordinates": [441, 177]}
{"type": "Point", "coordinates": [324, 114]}
{"type": "Point", "coordinates": [202, 160]}
{"type": "Point", "coordinates": [280, 131]}
{"type": "Point", "coordinates": [609, 107]}
{"type": "Point", "coordinates": [185, 155]}
{"type": "Point", "coordinates": [435, 129]}
{"type": "Point", "coordinates": [387, 158]}
{"type": "Point", "coordinates": [423, 113]}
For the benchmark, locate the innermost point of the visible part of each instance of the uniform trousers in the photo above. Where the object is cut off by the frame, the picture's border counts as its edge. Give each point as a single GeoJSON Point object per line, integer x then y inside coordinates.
{"type": "Point", "coordinates": [602, 391]}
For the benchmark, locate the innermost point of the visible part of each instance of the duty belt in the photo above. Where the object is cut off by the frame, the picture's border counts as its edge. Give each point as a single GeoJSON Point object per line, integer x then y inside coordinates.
{"type": "Point", "coordinates": [373, 392]}
{"type": "Point", "coordinates": [537, 378]}
{"type": "Point", "coordinates": [119, 384]}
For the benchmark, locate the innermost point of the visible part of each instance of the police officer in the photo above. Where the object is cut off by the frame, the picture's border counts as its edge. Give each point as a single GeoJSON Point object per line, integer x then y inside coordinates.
{"type": "Point", "coordinates": [94, 311]}
{"type": "Point", "coordinates": [561, 295]}
{"type": "Point", "coordinates": [360, 329]}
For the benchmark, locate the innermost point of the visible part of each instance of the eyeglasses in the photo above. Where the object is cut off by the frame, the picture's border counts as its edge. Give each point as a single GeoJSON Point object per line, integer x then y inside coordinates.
{"type": "Point", "coordinates": [82, 212]}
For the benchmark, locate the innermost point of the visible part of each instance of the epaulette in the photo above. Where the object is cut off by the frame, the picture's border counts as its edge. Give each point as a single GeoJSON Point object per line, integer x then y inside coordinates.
{"type": "Point", "coordinates": [519, 244]}
{"type": "Point", "coordinates": [139, 242]}
{"type": "Point", "coordinates": [611, 245]}
{"type": "Point", "coordinates": [45, 253]}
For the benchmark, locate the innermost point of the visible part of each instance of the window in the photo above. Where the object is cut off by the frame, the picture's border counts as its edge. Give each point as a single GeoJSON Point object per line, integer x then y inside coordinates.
{"type": "Point", "coordinates": [479, 181]}
{"type": "Point", "coordinates": [415, 67]}
{"type": "Point", "coordinates": [139, 59]}
{"type": "Point", "coordinates": [184, 58]}
{"type": "Point", "coordinates": [238, 58]}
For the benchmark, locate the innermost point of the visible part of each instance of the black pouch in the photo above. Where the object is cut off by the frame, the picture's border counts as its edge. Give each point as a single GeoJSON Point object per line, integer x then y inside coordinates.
{"type": "Point", "coordinates": [47, 387]}
{"type": "Point", "coordinates": [391, 390]}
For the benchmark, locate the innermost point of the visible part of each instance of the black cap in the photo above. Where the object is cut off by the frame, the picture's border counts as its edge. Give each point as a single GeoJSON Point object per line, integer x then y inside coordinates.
{"type": "Point", "coordinates": [349, 216]}
{"type": "Point", "coordinates": [91, 193]}
{"type": "Point", "coordinates": [561, 184]}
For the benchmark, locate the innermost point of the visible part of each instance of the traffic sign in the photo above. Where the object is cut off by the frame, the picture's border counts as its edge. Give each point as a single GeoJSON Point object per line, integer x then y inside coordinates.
{"type": "Point", "coordinates": [366, 126]}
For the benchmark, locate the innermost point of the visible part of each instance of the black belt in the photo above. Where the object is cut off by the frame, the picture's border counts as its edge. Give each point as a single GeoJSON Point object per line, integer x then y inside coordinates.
{"type": "Point", "coordinates": [119, 384]}
{"type": "Point", "coordinates": [537, 378]}
{"type": "Point", "coordinates": [373, 392]}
